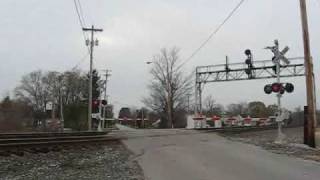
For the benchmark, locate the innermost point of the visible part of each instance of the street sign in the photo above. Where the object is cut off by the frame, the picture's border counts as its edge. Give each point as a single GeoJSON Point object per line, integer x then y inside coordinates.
{"type": "Point", "coordinates": [49, 106]}
{"type": "Point", "coordinates": [95, 116]}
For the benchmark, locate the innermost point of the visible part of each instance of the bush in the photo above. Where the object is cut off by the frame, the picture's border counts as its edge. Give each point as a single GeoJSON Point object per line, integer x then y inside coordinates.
{"type": "Point", "coordinates": [14, 116]}
{"type": "Point", "coordinates": [76, 116]}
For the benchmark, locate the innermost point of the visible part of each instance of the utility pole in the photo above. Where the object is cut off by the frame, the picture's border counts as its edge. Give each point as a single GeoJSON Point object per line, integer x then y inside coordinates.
{"type": "Point", "coordinates": [92, 43]}
{"type": "Point", "coordinates": [169, 98]}
{"type": "Point", "coordinates": [310, 84]}
{"type": "Point", "coordinates": [104, 114]}
{"type": "Point", "coordinates": [142, 117]}
{"type": "Point", "coordinates": [189, 103]}
{"type": "Point", "coordinates": [61, 110]}
{"type": "Point", "coordinates": [100, 107]}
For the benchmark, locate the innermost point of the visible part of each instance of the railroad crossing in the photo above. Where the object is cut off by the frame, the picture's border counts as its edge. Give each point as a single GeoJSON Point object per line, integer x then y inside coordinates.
{"type": "Point", "coordinates": [189, 155]}
{"type": "Point", "coordinates": [278, 67]}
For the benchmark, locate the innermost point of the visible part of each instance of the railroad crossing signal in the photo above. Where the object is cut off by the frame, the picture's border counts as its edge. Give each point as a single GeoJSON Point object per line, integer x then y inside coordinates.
{"type": "Point", "coordinates": [249, 70]}
{"type": "Point", "coordinates": [103, 102]}
{"type": "Point", "coordinates": [289, 87]}
{"type": "Point", "coordinates": [95, 106]}
{"type": "Point", "coordinates": [96, 103]}
{"type": "Point", "coordinates": [278, 55]}
{"type": "Point", "coordinates": [279, 88]}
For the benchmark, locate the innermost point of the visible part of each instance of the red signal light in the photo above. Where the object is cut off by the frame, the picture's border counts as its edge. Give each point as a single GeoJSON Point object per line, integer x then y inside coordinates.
{"type": "Point", "coordinates": [95, 103]}
{"type": "Point", "coordinates": [276, 87]}
{"type": "Point", "coordinates": [95, 106]}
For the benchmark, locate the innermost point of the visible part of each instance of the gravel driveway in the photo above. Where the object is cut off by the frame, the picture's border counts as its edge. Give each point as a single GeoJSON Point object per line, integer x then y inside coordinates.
{"type": "Point", "coordinates": [109, 161]}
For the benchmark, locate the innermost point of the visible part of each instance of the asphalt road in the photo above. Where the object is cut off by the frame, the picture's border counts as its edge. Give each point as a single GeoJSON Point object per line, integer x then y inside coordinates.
{"type": "Point", "coordinates": [175, 154]}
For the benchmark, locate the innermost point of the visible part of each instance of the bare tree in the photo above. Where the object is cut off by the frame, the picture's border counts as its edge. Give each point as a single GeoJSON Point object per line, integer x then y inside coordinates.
{"type": "Point", "coordinates": [52, 85]}
{"type": "Point", "coordinates": [75, 87]}
{"type": "Point", "coordinates": [38, 88]}
{"type": "Point", "coordinates": [211, 107]}
{"type": "Point", "coordinates": [62, 89]}
{"type": "Point", "coordinates": [237, 109]}
{"type": "Point", "coordinates": [33, 90]}
{"type": "Point", "coordinates": [169, 88]}
{"type": "Point", "coordinates": [209, 104]}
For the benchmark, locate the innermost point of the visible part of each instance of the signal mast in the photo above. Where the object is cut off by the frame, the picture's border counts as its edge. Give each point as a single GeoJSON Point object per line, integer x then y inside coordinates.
{"type": "Point", "coordinates": [279, 87]}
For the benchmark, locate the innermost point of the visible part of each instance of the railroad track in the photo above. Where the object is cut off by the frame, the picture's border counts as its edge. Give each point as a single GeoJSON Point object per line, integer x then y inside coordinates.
{"type": "Point", "coordinates": [50, 134]}
{"type": "Point", "coordinates": [45, 139]}
{"type": "Point", "coordinates": [236, 129]}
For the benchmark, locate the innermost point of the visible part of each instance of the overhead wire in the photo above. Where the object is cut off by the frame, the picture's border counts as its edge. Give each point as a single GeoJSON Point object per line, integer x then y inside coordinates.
{"type": "Point", "coordinates": [211, 35]}
{"type": "Point", "coordinates": [80, 61]}
{"type": "Point", "coordinates": [79, 11]}
{"type": "Point", "coordinates": [216, 30]}
{"type": "Point", "coordinates": [80, 17]}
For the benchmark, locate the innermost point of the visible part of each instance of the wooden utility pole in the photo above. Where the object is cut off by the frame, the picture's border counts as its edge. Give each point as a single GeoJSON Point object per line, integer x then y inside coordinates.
{"type": "Point", "coordinates": [311, 100]}
{"type": "Point", "coordinates": [189, 104]}
{"type": "Point", "coordinates": [104, 112]}
{"type": "Point", "coordinates": [91, 43]}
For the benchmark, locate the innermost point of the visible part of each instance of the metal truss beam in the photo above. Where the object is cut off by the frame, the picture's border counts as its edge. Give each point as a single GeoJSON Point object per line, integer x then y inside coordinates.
{"type": "Point", "coordinates": [236, 72]}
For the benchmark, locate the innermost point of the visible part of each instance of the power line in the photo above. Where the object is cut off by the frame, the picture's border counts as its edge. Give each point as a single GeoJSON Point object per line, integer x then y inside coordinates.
{"type": "Point", "coordinates": [79, 11]}
{"type": "Point", "coordinates": [212, 34]}
{"type": "Point", "coordinates": [80, 61]}
{"type": "Point", "coordinates": [80, 17]}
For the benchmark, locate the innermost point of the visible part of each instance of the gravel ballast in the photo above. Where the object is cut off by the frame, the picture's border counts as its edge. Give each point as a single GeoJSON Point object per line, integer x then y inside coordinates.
{"type": "Point", "coordinates": [292, 145]}
{"type": "Point", "coordinates": [93, 161]}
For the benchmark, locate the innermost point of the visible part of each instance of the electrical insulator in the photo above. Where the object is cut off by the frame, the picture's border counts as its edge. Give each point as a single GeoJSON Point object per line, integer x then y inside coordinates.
{"type": "Point", "coordinates": [96, 42]}
{"type": "Point", "coordinates": [87, 42]}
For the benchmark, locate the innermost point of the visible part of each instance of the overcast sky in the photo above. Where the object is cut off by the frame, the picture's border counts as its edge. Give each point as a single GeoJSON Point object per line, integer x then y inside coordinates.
{"type": "Point", "coordinates": [45, 34]}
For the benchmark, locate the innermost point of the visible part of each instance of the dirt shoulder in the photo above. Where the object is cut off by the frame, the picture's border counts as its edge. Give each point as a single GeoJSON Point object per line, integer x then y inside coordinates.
{"type": "Point", "coordinates": [293, 145]}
